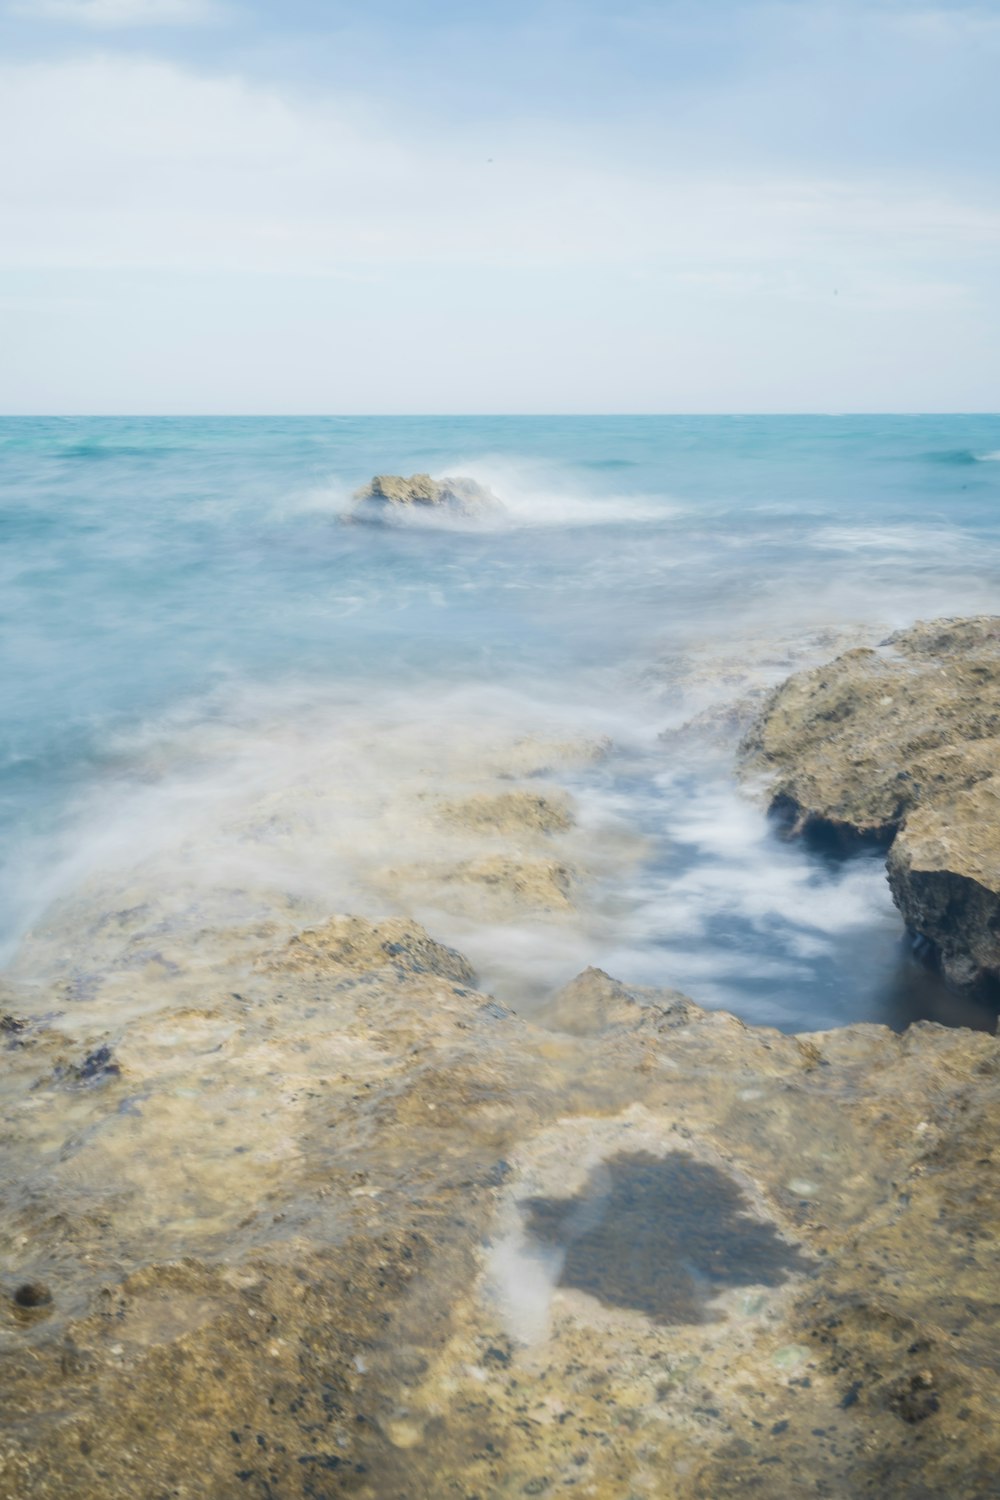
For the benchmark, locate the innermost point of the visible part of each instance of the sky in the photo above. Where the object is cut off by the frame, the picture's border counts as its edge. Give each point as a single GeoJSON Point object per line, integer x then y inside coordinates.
{"type": "Point", "coordinates": [536, 206]}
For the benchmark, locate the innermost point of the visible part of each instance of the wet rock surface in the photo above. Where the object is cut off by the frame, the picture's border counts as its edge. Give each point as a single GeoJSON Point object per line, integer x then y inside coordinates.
{"type": "Point", "coordinates": [347, 1226]}
{"type": "Point", "coordinates": [901, 745]}
{"type": "Point", "coordinates": [517, 812]}
{"type": "Point", "coordinates": [361, 947]}
{"type": "Point", "coordinates": [496, 887]}
{"type": "Point", "coordinates": [390, 497]}
{"type": "Point", "coordinates": [293, 1207]}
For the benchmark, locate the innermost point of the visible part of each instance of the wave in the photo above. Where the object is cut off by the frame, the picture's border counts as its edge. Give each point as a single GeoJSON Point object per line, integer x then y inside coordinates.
{"type": "Point", "coordinates": [961, 457]}
{"type": "Point", "coordinates": [108, 452]}
{"type": "Point", "coordinates": [248, 799]}
{"type": "Point", "coordinates": [608, 463]}
{"type": "Point", "coordinates": [245, 814]}
{"type": "Point", "coordinates": [532, 497]}
{"type": "Point", "coordinates": [932, 540]}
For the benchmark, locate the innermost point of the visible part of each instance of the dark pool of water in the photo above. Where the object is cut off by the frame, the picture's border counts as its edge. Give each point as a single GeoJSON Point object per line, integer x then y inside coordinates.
{"type": "Point", "coordinates": [663, 1235]}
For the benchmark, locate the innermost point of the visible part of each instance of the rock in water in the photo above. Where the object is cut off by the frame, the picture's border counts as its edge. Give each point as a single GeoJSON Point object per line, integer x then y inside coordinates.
{"type": "Point", "coordinates": [902, 744]}
{"type": "Point", "coordinates": [391, 497]}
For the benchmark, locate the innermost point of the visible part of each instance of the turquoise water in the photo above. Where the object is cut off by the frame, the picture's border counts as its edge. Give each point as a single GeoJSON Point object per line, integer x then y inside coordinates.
{"type": "Point", "coordinates": [168, 581]}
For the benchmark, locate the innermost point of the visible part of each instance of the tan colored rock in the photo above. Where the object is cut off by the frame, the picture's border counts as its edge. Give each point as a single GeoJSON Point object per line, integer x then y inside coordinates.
{"type": "Point", "coordinates": [496, 888]}
{"type": "Point", "coordinates": [944, 873]}
{"type": "Point", "coordinates": [389, 495]}
{"type": "Point", "coordinates": [355, 1230]}
{"type": "Point", "coordinates": [362, 947]}
{"type": "Point", "coordinates": [341, 1224]}
{"type": "Point", "coordinates": [533, 756]}
{"type": "Point", "coordinates": [903, 744]}
{"type": "Point", "coordinates": [542, 883]}
{"type": "Point", "coordinates": [715, 693]}
{"type": "Point", "coordinates": [515, 812]}
{"type": "Point", "coordinates": [593, 1003]}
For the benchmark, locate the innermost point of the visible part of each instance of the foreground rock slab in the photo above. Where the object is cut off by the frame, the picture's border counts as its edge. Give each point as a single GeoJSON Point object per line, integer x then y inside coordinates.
{"type": "Point", "coordinates": [902, 745]}
{"type": "Point", "coordinates": [340, 1224]}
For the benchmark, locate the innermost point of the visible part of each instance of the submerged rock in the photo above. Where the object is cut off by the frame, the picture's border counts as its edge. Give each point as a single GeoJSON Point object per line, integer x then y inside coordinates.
{"type": "Point", "coordinates": [496, 888]}
{"type": "Point", "coordinates": [515, 812]}
{"type": "Point", "coordinates": [901, 745]}
{"type": "Point", "coordinates": [390, 496]}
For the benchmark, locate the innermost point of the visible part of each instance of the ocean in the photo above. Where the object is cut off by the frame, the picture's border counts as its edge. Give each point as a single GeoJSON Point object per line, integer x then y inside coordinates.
{"type": "Point", "coordinates": [215, 688]}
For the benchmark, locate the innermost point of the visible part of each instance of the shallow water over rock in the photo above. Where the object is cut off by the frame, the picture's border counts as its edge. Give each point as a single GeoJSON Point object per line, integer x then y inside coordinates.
{"type": "Point", "coordinates": [662, 1234]}
{"type": "Point", "coordinates": [227, 655]}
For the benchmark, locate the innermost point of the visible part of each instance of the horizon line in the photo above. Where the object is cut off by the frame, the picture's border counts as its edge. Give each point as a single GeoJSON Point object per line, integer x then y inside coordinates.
{"type": "Point", "coordinates": [74, 416]}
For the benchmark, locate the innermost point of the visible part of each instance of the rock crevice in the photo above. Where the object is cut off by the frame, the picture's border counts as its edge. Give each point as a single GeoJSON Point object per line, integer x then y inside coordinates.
{"type": "Point", "coordinates": [901, 746]}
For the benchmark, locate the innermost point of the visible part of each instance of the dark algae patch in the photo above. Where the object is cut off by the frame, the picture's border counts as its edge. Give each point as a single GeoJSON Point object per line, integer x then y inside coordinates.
{"type": "Point", "coordinates": [662, 1234]}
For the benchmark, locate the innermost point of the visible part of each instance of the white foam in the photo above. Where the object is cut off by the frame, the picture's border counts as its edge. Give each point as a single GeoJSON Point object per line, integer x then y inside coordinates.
{"type": "Point", "coordinates": [251, 802]}
{"type": "Point", "coordinates": [532, 496]}
{"type": "Point", "coordinates": [931, 540]}
{"type": "Point", "coordinates": [536, 495]}
{"type": "Point", "coordinates": [521, 1277]}
{"type": "Point", "coordinates": [249, 798]}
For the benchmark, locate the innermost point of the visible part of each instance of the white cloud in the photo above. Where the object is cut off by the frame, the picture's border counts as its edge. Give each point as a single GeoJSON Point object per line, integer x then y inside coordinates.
{"type": "Point", "coordinates": [937, 24]}
{"type": "Point", "coordinates": [255, 250]}
{"type": "Point", "coordinates": [123, 163]}
{"type": "Point", "coordinates": [111, 15]}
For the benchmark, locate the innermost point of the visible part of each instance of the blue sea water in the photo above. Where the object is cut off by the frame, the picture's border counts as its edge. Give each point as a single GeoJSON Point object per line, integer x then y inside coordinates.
{"type": "Point", "coordinates": [169, 585]}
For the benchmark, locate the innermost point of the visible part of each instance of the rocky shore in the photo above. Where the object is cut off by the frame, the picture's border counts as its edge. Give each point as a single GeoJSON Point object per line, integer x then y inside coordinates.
{"type": "Point", "coordinates": [356, 1229]}
{"type": "Point", "coordinates": [294, 1208]}
{"type": "Point", "coordinates": [901, 745]}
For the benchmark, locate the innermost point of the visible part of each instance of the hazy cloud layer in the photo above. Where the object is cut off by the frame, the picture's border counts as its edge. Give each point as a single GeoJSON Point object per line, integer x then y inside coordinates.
{"type": "Point", "coordinates": [111, 14]}
{"type": "Point", "coordinates": [745, 231]}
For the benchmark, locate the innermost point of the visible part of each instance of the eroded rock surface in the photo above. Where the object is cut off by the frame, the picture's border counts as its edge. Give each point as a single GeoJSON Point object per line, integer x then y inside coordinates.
{"type": "Point", "coordinates": [291, 1207]}
{"type": "Point", "coordinates": [495, 888]}
{"type": "Point", "coordinates": [902, 745]}
{"type": "Point", "coordinates": [391, 496]}
{"type": "Point", "coordinates": [343, 1225]}
{"type": "Point", "coordinates": [356, 945]}
{"type": "Point", "coordinates": [515, 812]}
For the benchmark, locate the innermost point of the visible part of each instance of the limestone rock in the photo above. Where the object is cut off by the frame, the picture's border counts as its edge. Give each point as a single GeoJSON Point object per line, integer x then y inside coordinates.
{"type": "Point", "coordinates": [944, 874]}
{"type": "Point", "coordinates": [390, 496]}
{"type": "Point", "coordinates": [343, 1224]}
{"type": "Point", "coordinates": [496, 888]}
{"type": "Point", "coordinates": [515, 812]}
{"type": "Point", "coordinates": [544, 884]}
{"type": "Point", "coordinates": [355, 1230]}
{"type": "Point", "coordinates": [593, 1003]}
{"type": "Point", "coordinates": [902, 745]}
{"type": "Point", "coordinates": [363, 947]}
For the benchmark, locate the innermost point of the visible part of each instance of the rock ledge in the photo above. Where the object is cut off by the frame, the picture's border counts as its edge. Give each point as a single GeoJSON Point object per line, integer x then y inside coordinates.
{"type": "Point", "coordinates": [901, 745]}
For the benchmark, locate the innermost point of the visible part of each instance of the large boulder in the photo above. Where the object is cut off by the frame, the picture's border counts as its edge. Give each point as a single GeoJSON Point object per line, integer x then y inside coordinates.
{"type": "Point", "coordinates": [902, 745]}
{"type": "Point", "coordinates": [390, 497]}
